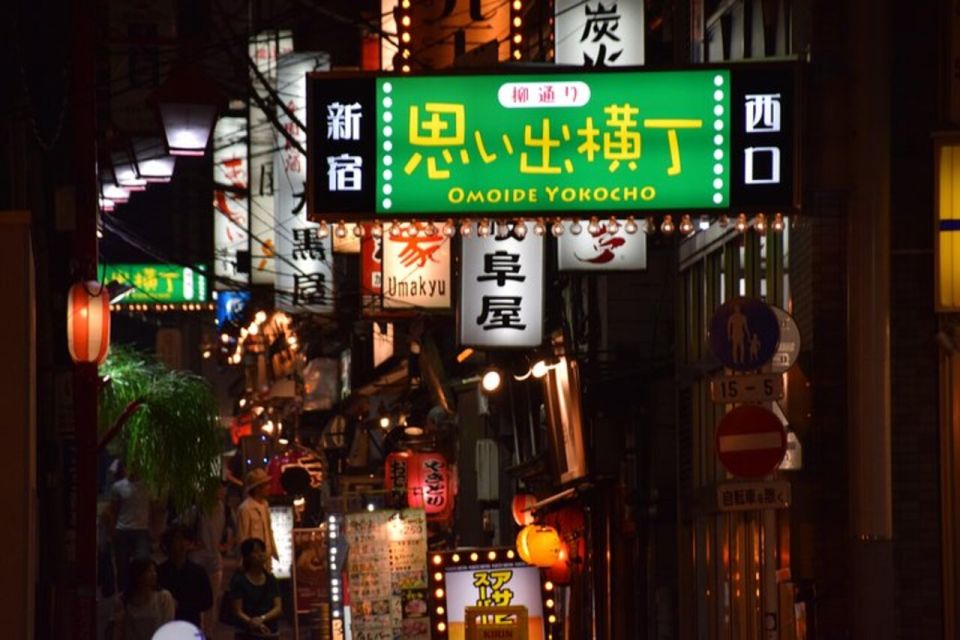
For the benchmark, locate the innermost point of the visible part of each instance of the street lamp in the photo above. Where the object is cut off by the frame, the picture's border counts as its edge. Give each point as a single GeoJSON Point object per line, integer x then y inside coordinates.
{"type": "Point", "coordinates": [187, 103]}
{"type": "Point", "coordinates": [153, 163]}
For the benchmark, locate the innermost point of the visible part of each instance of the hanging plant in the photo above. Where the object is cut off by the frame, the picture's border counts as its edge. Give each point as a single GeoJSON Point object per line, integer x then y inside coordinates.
{"type": "Point", "coordinates": [164, 425]}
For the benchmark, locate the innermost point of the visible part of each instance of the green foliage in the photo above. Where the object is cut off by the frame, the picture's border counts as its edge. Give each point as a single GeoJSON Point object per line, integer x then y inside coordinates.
{"type": "Point", "coordinates": [173, 442]}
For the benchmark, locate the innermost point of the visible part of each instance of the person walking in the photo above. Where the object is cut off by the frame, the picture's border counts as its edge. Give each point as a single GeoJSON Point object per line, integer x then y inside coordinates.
{"type": "Point", "coordinates": [185, 580]}
{"type": "Point", "coordinates": [129, 514]}
{"type": "Point", "coordinates": [143, 608]}
{"type": "Point", "coordinates": [255, 594]}
{"type": "Point", "coordinates": [253, 515]}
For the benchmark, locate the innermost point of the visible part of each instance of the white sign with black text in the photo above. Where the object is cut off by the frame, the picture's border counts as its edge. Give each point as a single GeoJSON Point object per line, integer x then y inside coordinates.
{"type": "Point", "coordinates": [501, 290]}
{"type": "Point", "coordinates": [231, 213]}
{"type": "Point", "coordinates": [304, 263]}
{"type": "Point", "coordinates": [600, 33]}
{"type": "Point", "coordinates": [416, 268]}
{"type": "Point", "coordinates": [607, 248]}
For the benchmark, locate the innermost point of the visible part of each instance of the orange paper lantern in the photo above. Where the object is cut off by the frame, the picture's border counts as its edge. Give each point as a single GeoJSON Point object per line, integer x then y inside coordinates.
{"type": "Point", "coordinates": [88, 322]}
{"type": "Point", "coordinates": [427, 480]}
{"type": "Point", "coordinates": [539, 546]}
{"type": "Point", "coordinates": [521, 508]}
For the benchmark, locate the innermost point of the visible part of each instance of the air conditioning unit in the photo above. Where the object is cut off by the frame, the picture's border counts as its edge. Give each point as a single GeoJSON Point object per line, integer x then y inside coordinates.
{"type": "Point", "coordinates": [488, 470]}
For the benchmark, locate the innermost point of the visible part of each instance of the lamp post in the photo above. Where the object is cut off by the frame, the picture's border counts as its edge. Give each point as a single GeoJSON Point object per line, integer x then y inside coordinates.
{"type": "Point", "coordinates": [187, 103]}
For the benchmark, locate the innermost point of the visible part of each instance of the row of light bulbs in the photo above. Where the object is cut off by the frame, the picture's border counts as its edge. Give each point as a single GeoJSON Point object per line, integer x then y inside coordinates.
{"type": "Point", "coordinates": [760, 223]}
{"type": "Point", "coordinates": [168, 307]}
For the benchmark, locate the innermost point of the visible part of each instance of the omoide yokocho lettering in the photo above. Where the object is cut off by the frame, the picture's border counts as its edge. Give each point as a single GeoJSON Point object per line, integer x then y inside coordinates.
{"type": "Point", "coordinates": [553, 194]}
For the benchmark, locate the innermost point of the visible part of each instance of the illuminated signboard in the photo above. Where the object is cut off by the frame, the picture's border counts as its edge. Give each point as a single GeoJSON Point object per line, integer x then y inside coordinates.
{"type": "Point", "coordinates": [563, 142]}
{"type": "Point", "coordinates": [602, 246]}
{"type": "Point", "coordinates": [231, 210]}
{"type": "Point", "coordinates": [416, 268]}
{"type": "Point", "coordinates": [159, 283]}
{"type": "Point", "coordinates": [487, 578]}
{"type": "Point", "coordinates": [600, 33]}
{"type": "Point", "coordinates": [281, 523]}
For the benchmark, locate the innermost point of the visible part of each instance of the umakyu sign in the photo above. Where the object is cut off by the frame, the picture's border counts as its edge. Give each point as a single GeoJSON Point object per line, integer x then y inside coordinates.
{"type": "Point", "coordinates": [560, 142]}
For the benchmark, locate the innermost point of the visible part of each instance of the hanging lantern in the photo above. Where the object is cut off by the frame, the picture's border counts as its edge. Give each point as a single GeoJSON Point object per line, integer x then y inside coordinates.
{"type": "Point", "coordinates": [522, 508]}
{"type": "Point", "coordinates": [427, 480]}
{"type": "Point", "coordinates": [538, 545]}
{"type": "Point", "coordinates": [153, 163]}
{"type": "Point", "coordinates": [187, 103]}
{"type": "Point", "coordinates": [88, 322]}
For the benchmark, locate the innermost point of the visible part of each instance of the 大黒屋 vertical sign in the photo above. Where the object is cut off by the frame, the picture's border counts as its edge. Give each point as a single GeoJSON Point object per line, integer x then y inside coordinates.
{"type": "Point", "coordinates": [600, 33]}
{"type": "Point", "coordinates": [559, 143]}
{"type": "Point", "coordinates": [501, 289]}
{"type": "Point", "coordinates": [304, 260]}
{"type": "Point", "coordinates": [416, 268]}
{"type": "Point", "coordinates": [230, 209]}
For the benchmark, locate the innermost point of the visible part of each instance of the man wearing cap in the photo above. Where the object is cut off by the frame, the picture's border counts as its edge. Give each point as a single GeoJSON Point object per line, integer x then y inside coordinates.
{"type": "Point", "coordinates": [253, 515]}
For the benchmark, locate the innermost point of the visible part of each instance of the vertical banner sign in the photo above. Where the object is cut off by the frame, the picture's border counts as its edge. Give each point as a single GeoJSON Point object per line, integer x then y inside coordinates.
{"type": "Point", "coordinates": [230, 209]}
{"type": "Point", "coordinates": [310, 567]}
{"type": "Point", "coordinates": [600, 33]}
{"type": "Point", "coordinates": [371, 271]}
{"type": "Point", "coordinates": [608, 249]}
{"type": "Point", "coordinates": [416, 269]}
{"type": "Point", "coordinates": [501, 290]}
{"type": "Point", "coordinates": [264, 49]}
{"type": "Point", "coordinates": [433, 27]}
{"type": "Point", "coordinates": [304, 264]}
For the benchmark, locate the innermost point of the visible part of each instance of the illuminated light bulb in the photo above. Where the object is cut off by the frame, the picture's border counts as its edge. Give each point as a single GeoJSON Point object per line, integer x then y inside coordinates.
{"type": "Point", "coordinates": [405, 21]}
{"type": "Point", "coordinates": [253, 329]}
{"type": "Point", "coordinates": [667, 226]}
{"type": "Point", "coordinates": [437, 559]}
{"type": "Point", "coordinates": [516, 55]}
{"type": "Point", "coordinates": [405, 37]}
{"type": "Point", "coordinates": [516, 5]}
{"type": "Point", "coordinates": [243, 402]}
{"type": "Point", "coordinates": [449, 229]}
{"type": "Point", "coordinates": [206, 354]}
{"type": "Point", "coordinates": [439, 594]}
{"type": "Point", "coordinates": [491, 380]}
{"type": "Point", "coordinates": [548, 585]}
{"type": "Point", "coordinates": [510, 554]}
{"type": "Point", "coordinates": [267, 426]}
{"type": "Point", "coordinates": [358, 230]}
{"type": "Point", "coordinates": [455, 557]}
{"type": "Point", "coordinates": [395, 229]}
{"type": "Point", "coordinates": [491, 556]}
{"type": "Point", "coordinates": [557, 229]}
{"type": "Point", "coordinates": [723, 221]}
{"type": "Point", "coordinates": [405, 68]}
{"type": "Point", "coordinates": [517, 21]}
{"type": "Point", "coordinates": [341, 230]}
{"type": "Point", "coordinates": [704, 223]}
{"type": "Point", "coordinates": [438, 576]}
{"type": "Point", "coordinates": [518, 38]}
{"type": "Point", "coordinates": [539, 369]}
{"type": "Point", "coordinates": [384, 422]}
{"type": "Point", "coordinates": [413, 229]}
{"type": "Point", "coordinates": [760, 223]}
{"type": "Point", "coordinates": [224, 338]}
{"type": "Point", "coordinates": [465, 228]}
{"type": "Point", "coordinates": [441, 611]}
{"type": "Point", "coordinates": [742, 224]}
{"type": "Point", "coordinates": [777, 224]}
{"type": "Point", "coordinates": [549, 603]}
{"type": "Point", "coordinates": [323, 230]}
{"type": "Point", "coordinates": [539, 228]}
{"type": "Point", "coordinates": [474, 557]}
{"type": "Point", "coordinates": [260, 317]}
{"type": "Point", "coordinates": [593, 226]}
{"type": "Point", "coordinates": [576, 227]}
{"type": "Point", "coordinates": [441, 627]}
{"type": "Point", "coordinates": [631, 225]}
{"type": "Point", "coordinates": [483, 229]}
{"type": "Point", "coordinates": [650, 226]}
{"type": "Point", "coordinates": [552, 619]}
{"type": "Point", "coordinates": [613, 225]}
{"type": "Point", "coordinates": [377, 230]}
{"type": "Point", "coordinates": [370, 507]}
{"type": "Point", "coordinates": [686, 226]}
{"type": "Point", "coordinates": [520, 229]}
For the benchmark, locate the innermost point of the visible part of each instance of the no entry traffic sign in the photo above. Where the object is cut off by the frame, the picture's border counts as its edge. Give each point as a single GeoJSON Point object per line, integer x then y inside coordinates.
{"type": "Point", "coordinates": [750, 441]}
{"type": "Point", "coordinates": [744, 333]}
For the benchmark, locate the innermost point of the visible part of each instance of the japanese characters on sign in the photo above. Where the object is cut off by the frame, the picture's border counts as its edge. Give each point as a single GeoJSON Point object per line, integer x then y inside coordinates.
{"type": "Point", "coordinates": [311, 572]}
{"type": "Point", "coordinates": [231, 212]}
{"type": "Point", "coordinates": [501, 289]}
{"type": "Point", "coordinates": [159, 283]}
{"type": "Point", "coordinates": [608, 248]}
{"type": "Point", "coordinates": [558, 142]}
{"type": "Point", "coordinates": [498, 584]}
{"type": "Point", "coordinates": [281, 522]}
{"type": "Point", "coordinates": [264, 49]}
{"type": "Point", "coordinates": [743, 496]}
{"type": "Point", "coordinates": [416, 269]}
{"type": "Point", "coordinates": [600, 33]}
{"type": "Point", "coordinates": [304, 265]}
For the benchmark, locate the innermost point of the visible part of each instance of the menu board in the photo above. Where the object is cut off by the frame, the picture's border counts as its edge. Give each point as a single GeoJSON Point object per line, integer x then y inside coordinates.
{"type": "Point", "coordinates": [310, 569]}
{"type": "Point", "coordinates": [281, 521]}
{"type": "Point", "coordinates": [387, 543]}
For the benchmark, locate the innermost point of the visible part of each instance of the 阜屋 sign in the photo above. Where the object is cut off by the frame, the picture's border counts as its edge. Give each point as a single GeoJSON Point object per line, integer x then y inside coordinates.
{"type": "Point", "coordinates": [501, 289]}
{"type": "Point", "coordinates": [560, 142]}
{"type": "Point", "coordinates": [159, 283]}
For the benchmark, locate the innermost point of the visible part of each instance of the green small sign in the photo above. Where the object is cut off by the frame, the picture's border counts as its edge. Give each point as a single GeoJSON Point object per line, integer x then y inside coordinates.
{"type": "Point", "coordinates": [644, 140]}
{"type": "Point", "coordinates": [159, 283]}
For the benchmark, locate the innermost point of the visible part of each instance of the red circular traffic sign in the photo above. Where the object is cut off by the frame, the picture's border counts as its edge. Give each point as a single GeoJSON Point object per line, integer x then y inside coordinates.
{"type": "Point", "coordinates": [750, 441]}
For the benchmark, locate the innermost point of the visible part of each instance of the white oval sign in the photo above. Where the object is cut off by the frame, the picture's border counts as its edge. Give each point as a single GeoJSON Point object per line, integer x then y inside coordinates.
{"type": "Point", "coordinates": [789, 346]}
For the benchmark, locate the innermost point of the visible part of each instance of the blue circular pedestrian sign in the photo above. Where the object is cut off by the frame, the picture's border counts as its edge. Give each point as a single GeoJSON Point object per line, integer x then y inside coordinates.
{"type": "Point", "coordinates": [744, 334]}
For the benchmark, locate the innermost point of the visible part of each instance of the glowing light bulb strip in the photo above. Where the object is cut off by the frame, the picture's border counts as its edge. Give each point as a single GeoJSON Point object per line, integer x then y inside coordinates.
{"type": "Point", "coordinates": [516, 29]}
{"type": "Point", "coordinates": [404, 36]}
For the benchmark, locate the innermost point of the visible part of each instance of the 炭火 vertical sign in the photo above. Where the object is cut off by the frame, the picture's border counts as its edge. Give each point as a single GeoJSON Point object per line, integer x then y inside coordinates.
{"type": "Point", "coordinates": [501, 290]}
{"type": "Point", "coordinates": [608, 248]}
{"type": "Point", "coordinates": [600, 33]}
{"type": "Point", "coordinates": [416, 269]}
{"type": "Point", "coordinates": [264, 49]}
{"type": "Point", "coordinates": [304, 265]}
{"type": "Point", "coordinates": [230, 209]}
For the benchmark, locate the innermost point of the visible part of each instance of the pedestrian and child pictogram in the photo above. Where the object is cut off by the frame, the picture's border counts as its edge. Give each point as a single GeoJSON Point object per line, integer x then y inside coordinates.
{"type": "Point", "coordinates": [744, 334]}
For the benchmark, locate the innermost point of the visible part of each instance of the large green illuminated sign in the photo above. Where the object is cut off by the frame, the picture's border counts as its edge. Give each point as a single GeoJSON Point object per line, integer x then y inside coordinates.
{"type": "Point", "coordinates": [553, 143]}
{"type": "Point", "coordinates": [159, 283]}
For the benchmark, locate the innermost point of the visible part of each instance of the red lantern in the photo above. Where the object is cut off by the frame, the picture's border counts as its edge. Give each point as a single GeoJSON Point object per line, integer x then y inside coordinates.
{"type": "Point", "coordinates": [559, 571]}
{"type": "Point", "coordinates": [88, 322]}
{"type": "Point", "coordinates": [427, 479]}
{"type": "Point", "coordinates": [539, 546]}
{"type": "Point", "coordinates": [522, 508]}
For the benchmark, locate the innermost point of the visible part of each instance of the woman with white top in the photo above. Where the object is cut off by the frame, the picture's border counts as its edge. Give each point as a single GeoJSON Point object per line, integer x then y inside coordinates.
{"type": "Point", "coordinates": [143, 608]}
